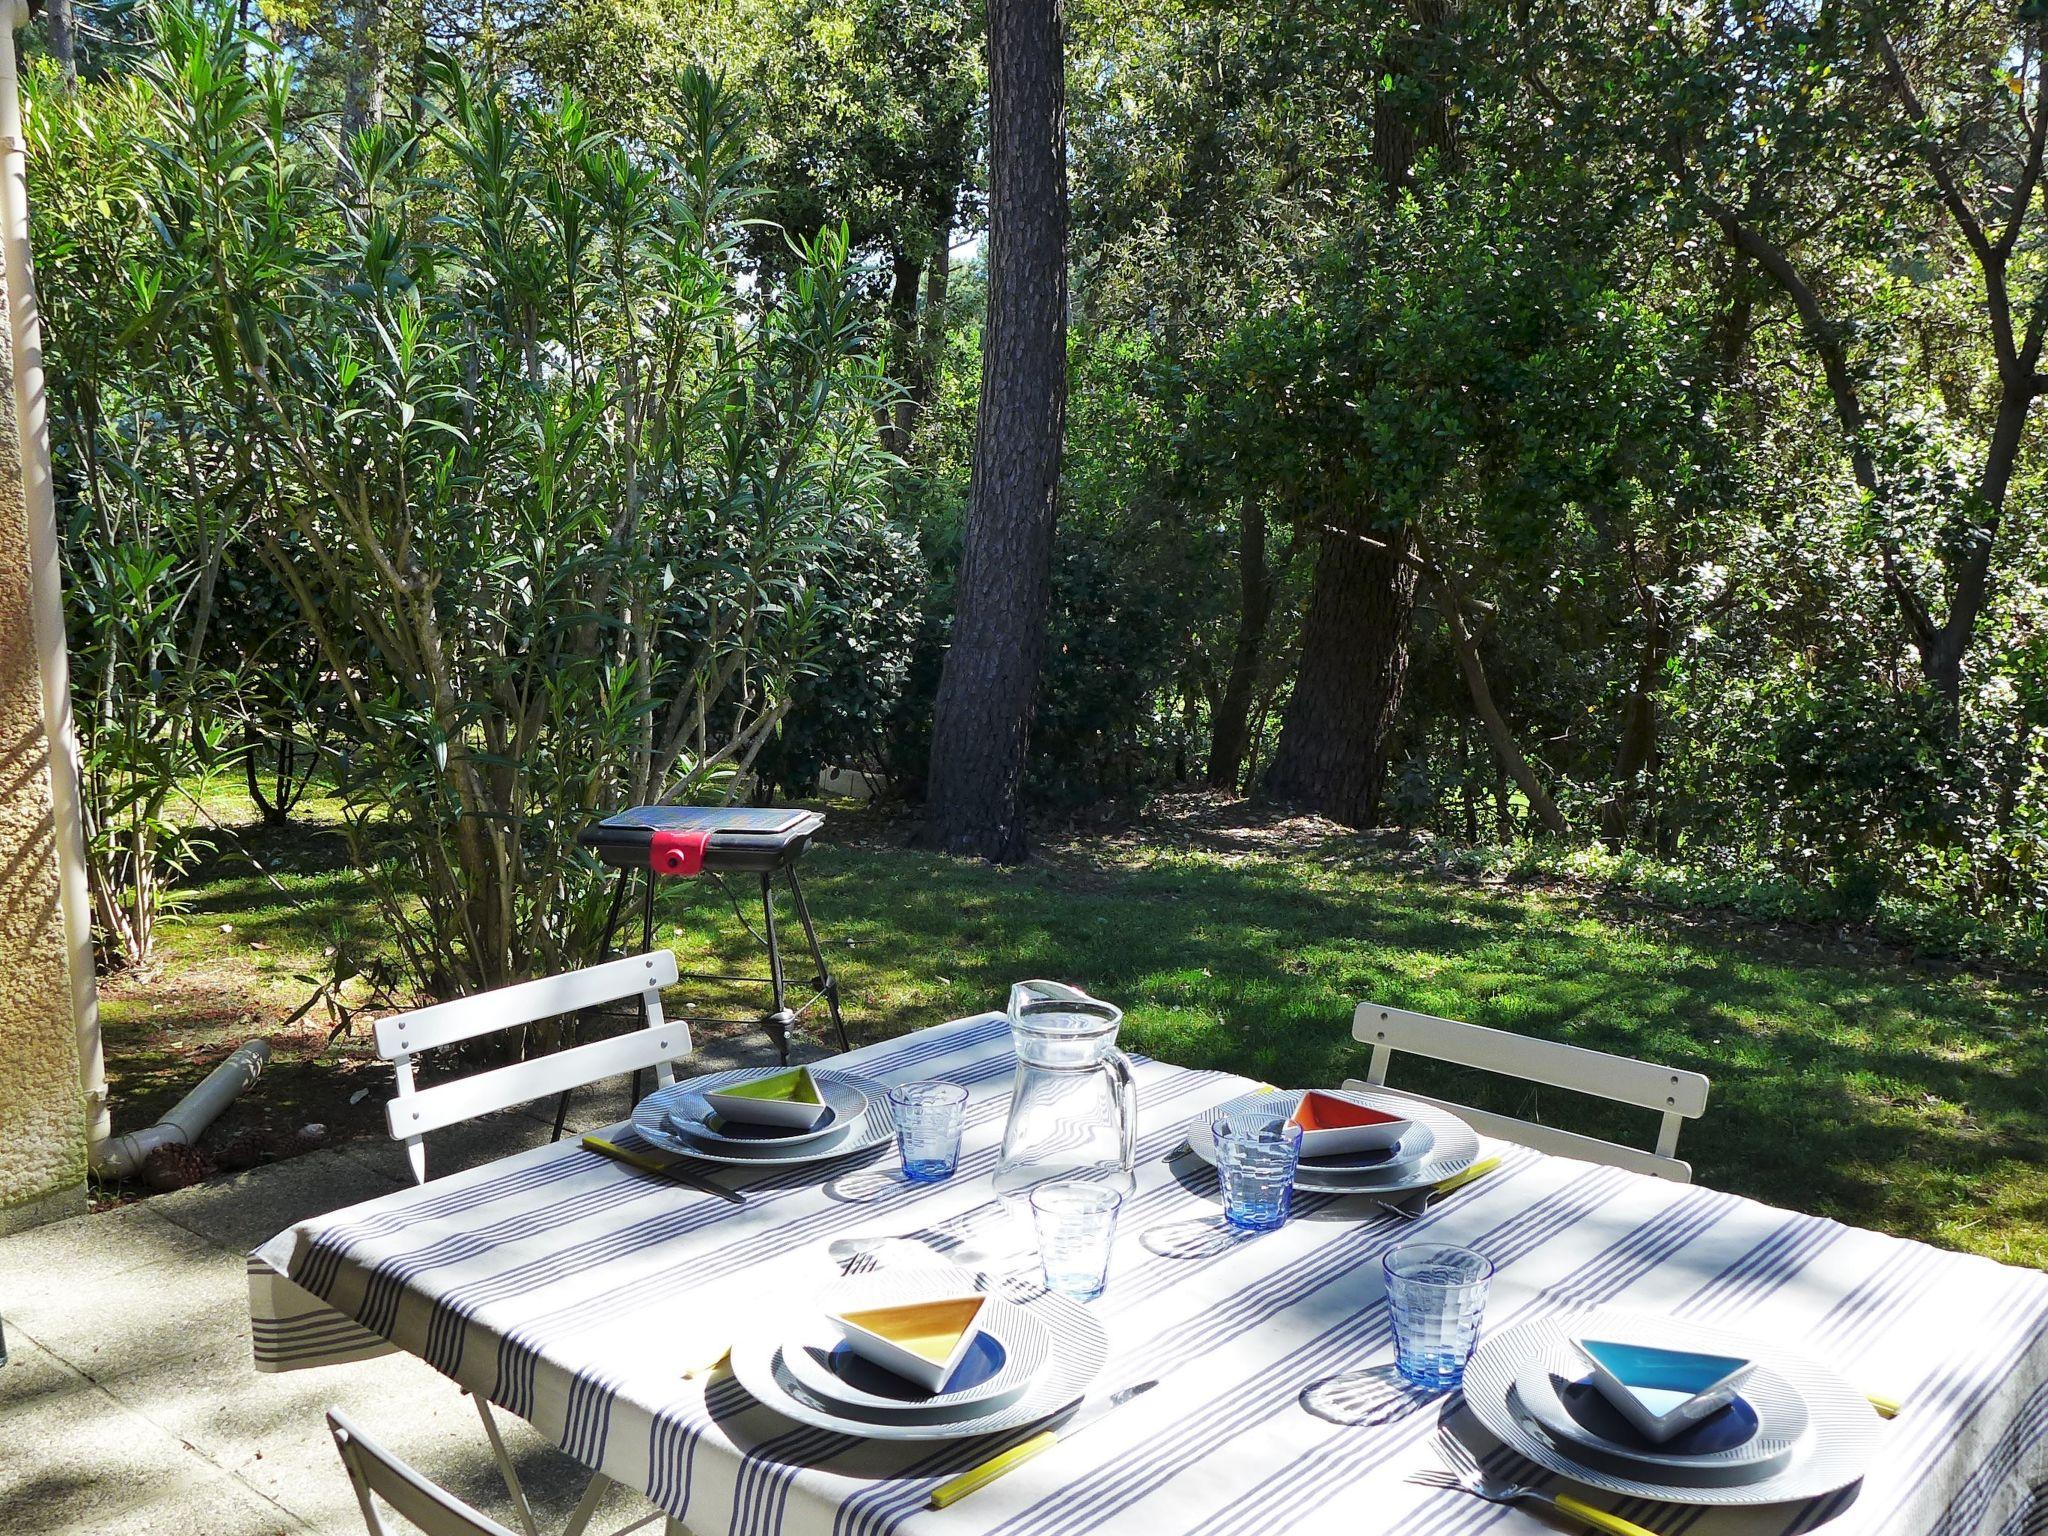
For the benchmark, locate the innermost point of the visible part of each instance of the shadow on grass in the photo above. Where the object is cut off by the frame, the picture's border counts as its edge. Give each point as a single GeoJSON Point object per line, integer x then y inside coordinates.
{"type": "Point", "coordinates": [1852, 1087]}
{"type": "Point", "coordinates": [1863, 1090]}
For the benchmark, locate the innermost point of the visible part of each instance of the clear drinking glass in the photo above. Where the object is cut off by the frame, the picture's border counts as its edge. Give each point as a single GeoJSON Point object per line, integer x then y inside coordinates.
{"type": "Point", "coordinates": [1437, 1295]}
{"type": "Point", "coordinates": [928, 1121]}
{"type": "Point", "coordinates": [1076, 1223]}
{"type": "Point", "coordinates": [1256, 1155]}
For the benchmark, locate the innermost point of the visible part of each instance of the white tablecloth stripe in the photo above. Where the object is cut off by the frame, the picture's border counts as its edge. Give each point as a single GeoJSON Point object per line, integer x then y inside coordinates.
{"type": "Point", "coordinates": [574, 1293]}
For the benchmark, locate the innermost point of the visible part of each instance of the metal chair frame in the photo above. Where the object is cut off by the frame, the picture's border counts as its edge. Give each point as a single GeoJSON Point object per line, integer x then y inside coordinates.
{"type": "Point", "coordinates": [1677, 1095]}
{"type": "Point", "coordinates": [414, 1111]}
{"type": "Point", "coordinates": [426, 1505]}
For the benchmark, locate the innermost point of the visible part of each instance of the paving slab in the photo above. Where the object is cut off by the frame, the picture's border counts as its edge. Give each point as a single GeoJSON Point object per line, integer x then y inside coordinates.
{"type": "Point", "coordinates": [72, 1459]}
{"type": "Point", "coordinates": [48, 1264]}
{"type": "Point", "coordinates": [245, 1209]}
{"type": "Point", "coordinates": [113, 1306]}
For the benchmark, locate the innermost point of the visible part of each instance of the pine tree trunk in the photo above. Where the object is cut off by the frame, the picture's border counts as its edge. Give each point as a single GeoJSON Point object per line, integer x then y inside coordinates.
{"type": "Point", "coordinates": [1332, 756]}
{"type": "Point", "coordinates": [904, 359]}
{"type": "Point", "coordinates": [63, 38]}
{"type": "Point", "coordinates": [981, 723]}
{"type": "Point", "coordinates": [363, 90]}
{"type": "Point", "coordinates": [1231, 735]}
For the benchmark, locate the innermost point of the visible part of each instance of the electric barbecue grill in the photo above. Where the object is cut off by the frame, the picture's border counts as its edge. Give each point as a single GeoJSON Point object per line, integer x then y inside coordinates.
{"type": "Point", "coordinates": [683, 841]}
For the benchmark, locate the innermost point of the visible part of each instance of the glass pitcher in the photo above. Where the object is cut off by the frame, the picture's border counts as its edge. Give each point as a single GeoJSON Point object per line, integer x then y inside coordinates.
{"type": "Point", "coordinates": [1073, 1105]}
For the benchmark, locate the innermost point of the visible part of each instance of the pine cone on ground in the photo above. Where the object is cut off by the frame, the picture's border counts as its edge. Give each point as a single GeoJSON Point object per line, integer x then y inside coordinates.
{"type": "Point", "coordinates": [174, 1166]}
{"type": "Point", "coordinates": [251, 1147]}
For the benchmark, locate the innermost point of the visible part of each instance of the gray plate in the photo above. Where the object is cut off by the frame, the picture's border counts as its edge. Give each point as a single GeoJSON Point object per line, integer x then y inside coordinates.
{"type": "Point", "coordinates": [1454, 1146]}
{"type": "Point", "coordinates": [1841, 1438]}
{"type": "Point", "coordinates": [1080, 1347]}
{"type": "Point", "coordinates": [868, 1128]}
{"type": "Point", "coordinates": [1781, 1421]}
{"type": "Point", "coordinates": [810, 1346]}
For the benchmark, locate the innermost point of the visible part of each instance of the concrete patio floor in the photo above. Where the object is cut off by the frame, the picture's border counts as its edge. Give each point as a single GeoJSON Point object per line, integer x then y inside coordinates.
{"type": "Point", "coordinates": [129, 1406]}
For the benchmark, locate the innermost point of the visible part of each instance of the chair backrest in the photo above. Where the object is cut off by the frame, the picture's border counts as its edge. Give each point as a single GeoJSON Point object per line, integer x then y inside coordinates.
{"type": "Point", "coordinates": [415, 1111]}
{"type": "Point", "coordinates": [1678, 1096]}
{"type": "Point", "coordinates": [422, 1504]}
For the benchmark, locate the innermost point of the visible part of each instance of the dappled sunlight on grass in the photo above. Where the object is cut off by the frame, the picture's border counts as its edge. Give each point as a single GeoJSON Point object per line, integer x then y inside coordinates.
{"type": "Point", "coordinates": [1863, 1089]}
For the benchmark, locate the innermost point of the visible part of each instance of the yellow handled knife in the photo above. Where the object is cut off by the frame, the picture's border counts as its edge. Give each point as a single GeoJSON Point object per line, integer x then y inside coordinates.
{"type": "Point", "coordinates": [1416, 1201]}
{"type": "Point", "coordinates": [953, 1491]}
{"type": "Point", "coordinates": [708, 1366]}
{"type": "Point", "coordinates": [667, 1170]}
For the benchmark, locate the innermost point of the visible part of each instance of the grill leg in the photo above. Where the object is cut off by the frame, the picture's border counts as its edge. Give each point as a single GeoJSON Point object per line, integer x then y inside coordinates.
{"type": "Point", "coordinates": [646, 944]}
{"type": "Point", "coordinates": [826, 982]}
{"type": "Point", "coordinates": [778, 1020]}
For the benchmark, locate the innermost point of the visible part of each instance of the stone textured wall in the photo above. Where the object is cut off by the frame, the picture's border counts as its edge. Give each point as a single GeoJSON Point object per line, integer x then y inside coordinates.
{"type": "Point", "coordinates": [42, 1108]}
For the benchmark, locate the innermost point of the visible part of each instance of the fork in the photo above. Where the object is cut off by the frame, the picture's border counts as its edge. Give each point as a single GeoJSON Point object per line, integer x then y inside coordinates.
{"type": "Point", "coordinates": [1467, 1476]}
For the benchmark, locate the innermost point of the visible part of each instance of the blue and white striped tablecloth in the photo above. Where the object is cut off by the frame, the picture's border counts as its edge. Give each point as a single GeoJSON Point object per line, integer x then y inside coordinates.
{"type": "Point", "coordinates": [574, 1293]}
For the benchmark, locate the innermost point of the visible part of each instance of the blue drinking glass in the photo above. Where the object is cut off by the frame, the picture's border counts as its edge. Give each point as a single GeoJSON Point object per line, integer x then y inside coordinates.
{"type": "Point", "coordinates": [1437, 1295]}
{"type": "Point", "coordinates": [1076, 1221]}
{"type": "Point", "coordinates": [928, 1121]}
{"type": "Point", "coordinates": [1256, 1155]}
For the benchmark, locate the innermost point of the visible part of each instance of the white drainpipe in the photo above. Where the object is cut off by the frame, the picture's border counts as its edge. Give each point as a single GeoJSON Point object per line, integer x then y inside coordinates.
{"type": "Point", "coordinates": [110, 1156]}
{"type": "Point", "coordinates": [46, 584]}
{"type": "Point", "coordinates": [119, 1156]}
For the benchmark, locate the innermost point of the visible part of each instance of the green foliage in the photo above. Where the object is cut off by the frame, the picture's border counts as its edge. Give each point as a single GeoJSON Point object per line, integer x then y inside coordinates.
{"type": "Point", "coordinates": [556, 498]}
{"type": "Point", "coordinates": [1666, 344]}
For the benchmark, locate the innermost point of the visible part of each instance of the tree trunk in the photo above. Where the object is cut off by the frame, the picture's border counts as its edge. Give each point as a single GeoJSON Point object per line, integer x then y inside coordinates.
{"type": "Point", "coordinates": [1354, 666]}
{"type": "Point", "coordinates": [63, 38]}
{"type": "Point", "coordinates": [1638, 749]}
{"type": "Point", "coordinates": [924, 337]}
{"type": "Point", "coordinates": [1354, 652]}
{"type": "Point", "coordinates": [1231, 733]}
{"type": "Point", "coordinates": [981, 720]}
{"type": "Point", "coordinates": [1465, 644]}
{"type": "Point", "coordinates": [363, 93]}
{"type": "Point", "coordinates": [904, 360]}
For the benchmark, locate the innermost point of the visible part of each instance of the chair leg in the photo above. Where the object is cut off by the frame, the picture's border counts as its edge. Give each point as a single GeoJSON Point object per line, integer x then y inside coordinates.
{"type": "Point", "coordinates": [505, 1468]}
{"type": "Point", "coordinates": [579, 1518]}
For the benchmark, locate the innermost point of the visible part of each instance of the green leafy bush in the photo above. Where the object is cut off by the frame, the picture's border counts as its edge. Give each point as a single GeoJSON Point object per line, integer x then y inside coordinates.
{"type": "Point", "coordinates": [554, 491]}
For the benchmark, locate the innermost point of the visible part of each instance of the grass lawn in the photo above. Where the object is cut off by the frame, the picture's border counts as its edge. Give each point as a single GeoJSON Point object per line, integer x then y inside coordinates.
{"type": "Point", "coordinates": [1846, 1082]}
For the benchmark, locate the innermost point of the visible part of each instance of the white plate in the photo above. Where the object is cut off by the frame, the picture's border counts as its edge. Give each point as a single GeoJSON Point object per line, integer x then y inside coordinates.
{"type": "Point", "coordinates": [692, 1116]}
{"type": "Point", "coordinates": [870, 1127]}
{"type": "Point", "coordinates": [819, 1359]}
{"type": "Point", "coordinates": [1454, 1144]}
{"type": "Point", "coordinates": [1841, 1439]}
{"type": "Point", "coordinates": [1579, 1419]}
{"type": "Point", "coordinates": [1079, 1347]}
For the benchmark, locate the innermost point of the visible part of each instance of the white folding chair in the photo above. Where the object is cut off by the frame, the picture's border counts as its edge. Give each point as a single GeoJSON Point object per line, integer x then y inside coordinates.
{"type": "Point", "coordinates": [425, 1505]}
{"type": "Point", "coordinates": [415, 1111]}
{"type": "Point", "coordinates": [1677, 1095]}
{"type": "Point", "coordinates": [418, 1501]}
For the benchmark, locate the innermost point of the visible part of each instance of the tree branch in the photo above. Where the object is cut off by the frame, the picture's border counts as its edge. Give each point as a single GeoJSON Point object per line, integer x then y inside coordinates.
{"type": "Point", "coordinates": [2030, 169]}
{"type": "Point", "coordinates": [1990, 258]}
{"type": "Point", "coordinates": [1824, 337]}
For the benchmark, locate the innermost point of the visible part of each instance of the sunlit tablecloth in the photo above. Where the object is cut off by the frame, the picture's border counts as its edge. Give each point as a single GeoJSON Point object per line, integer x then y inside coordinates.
{"type": "Point", "coordinates": [574, 1292]}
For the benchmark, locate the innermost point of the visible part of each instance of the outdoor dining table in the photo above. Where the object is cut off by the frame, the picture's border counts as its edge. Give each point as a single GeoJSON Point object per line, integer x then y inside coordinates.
{"type": "Point", "coordinates": [579, 1294]}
